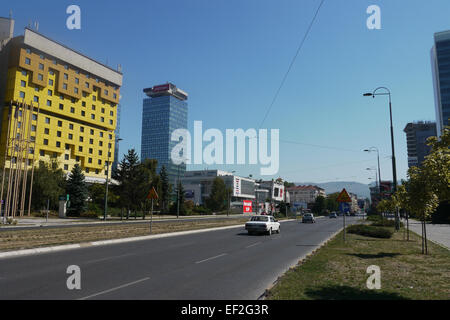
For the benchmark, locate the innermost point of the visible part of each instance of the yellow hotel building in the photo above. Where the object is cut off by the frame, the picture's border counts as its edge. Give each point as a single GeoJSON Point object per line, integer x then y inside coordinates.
{"type": "Point", "coordinates": [77, 99]}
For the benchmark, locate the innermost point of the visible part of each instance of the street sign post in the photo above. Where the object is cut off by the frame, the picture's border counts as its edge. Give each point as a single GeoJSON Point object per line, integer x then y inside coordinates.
{"type": "Point", "coordinates": [343, 198]}
{"type": "Point", "coordinates": [152, 195]}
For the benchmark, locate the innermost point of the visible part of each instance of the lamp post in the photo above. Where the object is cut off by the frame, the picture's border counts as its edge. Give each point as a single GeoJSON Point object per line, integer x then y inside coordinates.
{"type": "Point", "coordinates": [394, 170]}
{"type": "Point", "coordinates": [376, 177]}
{"type": "Point", "coordinates": [107, 175]}
{"type": "Point", "coordinates": [378, 158]}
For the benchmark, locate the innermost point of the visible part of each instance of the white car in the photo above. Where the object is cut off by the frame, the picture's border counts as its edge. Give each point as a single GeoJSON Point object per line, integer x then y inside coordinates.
{"type": "Point", "coordinates": [262, 224]}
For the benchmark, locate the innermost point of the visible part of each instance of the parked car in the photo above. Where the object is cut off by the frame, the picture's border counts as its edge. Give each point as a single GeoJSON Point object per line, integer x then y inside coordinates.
{"type": "Point", "coordinates": [333, 215]}
{"type": "Point", "coordinates": [262, 224]}
{"type": "Point", "coordinates": [308, 217]}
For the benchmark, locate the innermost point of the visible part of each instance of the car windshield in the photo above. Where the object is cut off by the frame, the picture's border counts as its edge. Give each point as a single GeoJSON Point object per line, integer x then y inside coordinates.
{"type": "Point", "coordinates": [260, 218]}
{"type": "Point", "coordinates": [308, 215]}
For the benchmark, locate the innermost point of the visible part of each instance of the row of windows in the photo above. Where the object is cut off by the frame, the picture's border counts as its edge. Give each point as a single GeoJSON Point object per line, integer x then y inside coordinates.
{"type": "Point", "coordinates": [66, 67]}
{"type": "Point", "coordinates": [51, 83]}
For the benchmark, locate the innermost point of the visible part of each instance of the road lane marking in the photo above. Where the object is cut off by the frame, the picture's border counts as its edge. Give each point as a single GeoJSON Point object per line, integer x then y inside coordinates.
{"type": "Point", "coordinates": [113, 289]}
{"type": "Point", "coordinates": [253, 244]}
{"type": "Point", "coordinates": [220, 255]}
{"type": "Point", "coordinates": [110, 258]}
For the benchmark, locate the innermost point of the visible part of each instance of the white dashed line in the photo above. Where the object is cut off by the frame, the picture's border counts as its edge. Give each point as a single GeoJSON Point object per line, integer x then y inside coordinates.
{"type": "Point", "coordinates": [113, 289]}
{"type": "Point", "coordinates": [220, 255]}
{"type": "Point", "coordinates": [253, 244]}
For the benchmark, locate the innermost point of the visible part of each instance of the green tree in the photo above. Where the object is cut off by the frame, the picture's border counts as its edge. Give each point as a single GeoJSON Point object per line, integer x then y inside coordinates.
{"type": "Point", "coordinates": [77, 190]}
{"type": "Point", "coordinates": [319, 205]}
{"type": "Point", "coordinates": [48, 183]}
{"type": "Point", "coordinates": [132, 182]}
{"type": "Point", "coordinates": [331, 202]}
{"type": "Point", "coordinates": [218, 196]}
{"type": "Point", "coordinates": [180, 200]}
{"type": "Point", "coordinates": [164, 196]}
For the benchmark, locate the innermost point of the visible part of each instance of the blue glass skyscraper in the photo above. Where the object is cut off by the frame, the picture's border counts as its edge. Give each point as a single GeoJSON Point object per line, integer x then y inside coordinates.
{"type": "Point", "coordinates": [164, 111]}
{"type": "Point", "coordinates": [440, 66]}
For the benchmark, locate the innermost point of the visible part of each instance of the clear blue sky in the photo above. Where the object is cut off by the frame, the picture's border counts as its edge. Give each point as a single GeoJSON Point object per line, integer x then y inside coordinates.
{"type": "Point", "coordinates": [230, 56]}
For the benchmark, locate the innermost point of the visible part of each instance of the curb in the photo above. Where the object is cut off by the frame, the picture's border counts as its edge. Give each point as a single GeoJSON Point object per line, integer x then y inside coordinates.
{"type": "Point", "coordinates": [32, 251]}
{"type": "Point", "coordinates": [299, 262]}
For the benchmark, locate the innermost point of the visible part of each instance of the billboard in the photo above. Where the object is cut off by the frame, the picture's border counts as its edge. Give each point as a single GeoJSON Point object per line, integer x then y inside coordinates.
{"type": "Point", "coordinates": [247, 207]}
{"type": "Point", "coordinates": [162, 87]}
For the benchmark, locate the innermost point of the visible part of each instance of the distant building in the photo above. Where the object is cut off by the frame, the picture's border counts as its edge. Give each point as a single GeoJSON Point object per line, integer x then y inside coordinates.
{"type": "Point", "coordinates": [354, 204]}
{"type": "Point", "coordinates": [305, 194]}
{"type": "Point", "coordinates": [164, 111]}
{"type": "Point", "coordinates": [276, 190]}
{"type": "Point", "coordinates": [417, 134]}
{"type": "Point", "coordinates": [440, 68]}
{"type": "Point", "coordinates": [198, 184]}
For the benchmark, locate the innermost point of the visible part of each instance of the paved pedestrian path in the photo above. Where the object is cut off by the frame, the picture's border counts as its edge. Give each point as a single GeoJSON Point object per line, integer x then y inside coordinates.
{"type": "Point", "coordinates": [439, 233]}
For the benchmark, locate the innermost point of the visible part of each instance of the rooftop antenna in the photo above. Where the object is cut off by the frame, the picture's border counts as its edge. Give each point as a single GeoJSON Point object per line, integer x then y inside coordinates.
{"type": "Point", "coordinates": [10, 14]}
{"type": "Point", "coordinates": [119, 67]}
{"type": "Point", "coordinates": [29, 24]}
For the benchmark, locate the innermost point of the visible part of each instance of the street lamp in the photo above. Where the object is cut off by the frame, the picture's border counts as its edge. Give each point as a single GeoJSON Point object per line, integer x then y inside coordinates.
{"type": "Point", "coordinates": [107, 174]}
{"type": "Point", "coordinates": [376, 178]}
{"type": "Point", "coordinates": [394, 170]}
{"type": "Point", "coordinates": [378, 158]}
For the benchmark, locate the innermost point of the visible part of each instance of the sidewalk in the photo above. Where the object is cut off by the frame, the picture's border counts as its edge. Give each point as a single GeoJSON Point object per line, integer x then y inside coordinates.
{"type": "Point", "coordinates": [439, 233]}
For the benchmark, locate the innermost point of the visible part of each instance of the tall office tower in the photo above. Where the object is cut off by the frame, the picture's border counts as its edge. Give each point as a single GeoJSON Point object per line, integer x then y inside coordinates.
{"type": "Point", "coordinates": [163, 111]}
{"type": "Point", "coordinates": [417, 134]}
{"type": "Point", "coordinates": [440, 67]}
{"type": "Point", "coordinates": [71, 100]}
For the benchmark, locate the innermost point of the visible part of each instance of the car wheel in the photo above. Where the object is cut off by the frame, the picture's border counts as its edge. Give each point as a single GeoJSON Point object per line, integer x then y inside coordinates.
{"type": "Point", "coordinates": [279, 229]}
{"type": "Point", "coordinates": [269, 232]}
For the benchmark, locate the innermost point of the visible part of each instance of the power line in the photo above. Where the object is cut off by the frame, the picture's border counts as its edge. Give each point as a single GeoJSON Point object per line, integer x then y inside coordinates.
{"type": "Point", "coordinates": [292, 62]}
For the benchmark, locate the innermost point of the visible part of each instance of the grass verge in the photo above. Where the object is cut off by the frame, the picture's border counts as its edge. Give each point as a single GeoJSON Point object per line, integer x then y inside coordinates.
{"type": "Point", "coordinates": [338, 271]}
{"type": "Point", "coordinates": [25, 239]}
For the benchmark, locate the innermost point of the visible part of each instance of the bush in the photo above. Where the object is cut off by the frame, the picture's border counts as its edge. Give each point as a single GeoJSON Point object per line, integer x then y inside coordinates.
{"type": "Point", "coordinates": [374, 217]}
{"type": "Point", "coordinates": [385, 223]}
{"type": "Point", "coordinates": [201, 210]}
{"type": "Point", "coordinates": [370, 231]}
{"type": "Point", "coordinates": [89, 214]}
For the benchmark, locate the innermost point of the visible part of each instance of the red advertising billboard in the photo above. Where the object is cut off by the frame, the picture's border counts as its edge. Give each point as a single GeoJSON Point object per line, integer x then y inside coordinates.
{"type": "Point", "coordinates": [247, 206]}
{"type": "Point", "coordinates": [162, 87]}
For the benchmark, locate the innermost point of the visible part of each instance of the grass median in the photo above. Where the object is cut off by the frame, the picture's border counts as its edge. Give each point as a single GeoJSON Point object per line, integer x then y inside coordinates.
{"type": "Point", "coordinates": [338, 271]}
{"type": "Point", "coordinates": [25, 239]}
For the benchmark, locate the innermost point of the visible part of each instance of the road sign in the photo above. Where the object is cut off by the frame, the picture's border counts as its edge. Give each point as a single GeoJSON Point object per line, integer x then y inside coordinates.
{"type": "Point", "coordinates": [152, 194]}
{"type": "Point", "coordinates": [343, 196]}
{"type": "Point", "coordinates": [247, 206]}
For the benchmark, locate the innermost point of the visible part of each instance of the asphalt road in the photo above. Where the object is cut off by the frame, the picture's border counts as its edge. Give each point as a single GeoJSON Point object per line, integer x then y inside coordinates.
{"type": "Point", "coordinates": [223, 264]}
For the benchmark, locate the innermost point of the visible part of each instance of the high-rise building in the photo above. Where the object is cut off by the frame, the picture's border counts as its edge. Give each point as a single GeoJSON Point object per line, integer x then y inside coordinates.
{"type": "Point", "coordinates": [164, 111]}
{"type": "Point", "coordinates": [417, 134]}
{"type": "Point", "coordinates": [71, 98]}
{"type": "Point", "coordinates": [440, 67]}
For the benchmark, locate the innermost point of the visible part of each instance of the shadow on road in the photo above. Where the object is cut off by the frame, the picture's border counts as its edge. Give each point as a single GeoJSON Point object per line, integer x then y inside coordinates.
{"type": "Point", "coordinates": [337, 292]}
{"type": "Point", "coordinates": [374, 256]}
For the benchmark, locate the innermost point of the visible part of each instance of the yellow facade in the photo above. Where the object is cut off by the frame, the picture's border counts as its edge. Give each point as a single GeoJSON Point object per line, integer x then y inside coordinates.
{"type": "Point", "coordinates": [77, 111]}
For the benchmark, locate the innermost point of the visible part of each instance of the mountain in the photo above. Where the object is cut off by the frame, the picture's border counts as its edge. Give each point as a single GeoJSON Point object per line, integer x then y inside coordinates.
{"type": "Point", "coordinates": [360, 189]}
